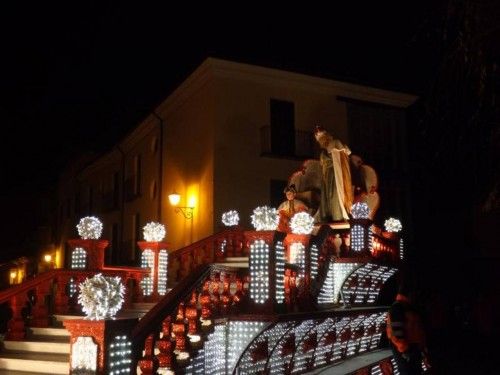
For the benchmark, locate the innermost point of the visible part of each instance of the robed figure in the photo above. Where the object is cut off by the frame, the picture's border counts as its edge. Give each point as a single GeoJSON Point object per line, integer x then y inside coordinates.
{"type": "Point", "coordinates": [336, 187]}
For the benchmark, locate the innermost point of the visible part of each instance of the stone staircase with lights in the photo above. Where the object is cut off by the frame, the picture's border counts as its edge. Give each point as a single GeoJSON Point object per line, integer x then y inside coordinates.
{"type": "Point", "coordinates": [47, 350]}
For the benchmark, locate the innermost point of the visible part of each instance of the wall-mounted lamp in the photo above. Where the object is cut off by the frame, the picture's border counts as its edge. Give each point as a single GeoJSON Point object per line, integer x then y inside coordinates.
{"type": "Point", "coordinates": [47, 258]}
{"type": "Point", "coordinates": [186, 211]}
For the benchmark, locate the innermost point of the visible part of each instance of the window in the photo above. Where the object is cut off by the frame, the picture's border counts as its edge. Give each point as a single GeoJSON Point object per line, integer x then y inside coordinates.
{"type": "Point", "coordinates": [137, 175]}
{"type": "Point", "coordinates": [136, 236]}
{"type": "Point", "coordinates": [276, 192]}
{"type": "Point", "coordinates": [282, 127]}
{"type": "Point", "coordinates": [116, 190]}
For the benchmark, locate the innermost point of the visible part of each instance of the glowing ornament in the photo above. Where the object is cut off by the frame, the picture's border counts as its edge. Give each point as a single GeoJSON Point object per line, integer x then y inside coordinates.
{"type": "Point", "coordinates": [101, 297]}
{"type": "Point", "coordinates": [393, 225]}
{"type": "Point", "coordinates": [230, 218]}
{"type": "Point", "coordinates": [265, 218]}
{"type": "Point", "coordinates": [302, 223]}
{"type": "Point", "coordinates": [360, 210]}
{"type": "Point", "coordinates": [89, 228]}
{"type": "Point", "coordinates": [154, 232]}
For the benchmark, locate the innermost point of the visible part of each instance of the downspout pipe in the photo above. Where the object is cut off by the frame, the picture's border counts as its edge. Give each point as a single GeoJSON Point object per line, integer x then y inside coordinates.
{"type": "Point", "coordinates": [160, 164]}
{"type": "Point", "coordinates": [122, 200]}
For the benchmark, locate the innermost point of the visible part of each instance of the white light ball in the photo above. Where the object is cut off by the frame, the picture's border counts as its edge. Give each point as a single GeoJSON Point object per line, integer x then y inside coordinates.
{"type": "Point", "coordinates": [230, 218]}
{"type": "Point", "coordinates": [393, 225]}
{"type": "Point", "coordinates": [101, 297]}
{"type": "Point", "coordinates": [302, 223]}
{"type": "Point", "coordinates": [265, 218]}
{"type": "Point", "coordinates": [89, 228]}
{"type": "Point", "coordinates": [154, 232]}
{"type": "Point", "coordinates": [360, 210]}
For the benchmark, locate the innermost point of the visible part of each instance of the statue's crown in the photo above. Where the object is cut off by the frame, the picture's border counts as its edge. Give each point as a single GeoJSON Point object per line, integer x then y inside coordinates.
{"type": "Point", "coordinates": [319, 131]}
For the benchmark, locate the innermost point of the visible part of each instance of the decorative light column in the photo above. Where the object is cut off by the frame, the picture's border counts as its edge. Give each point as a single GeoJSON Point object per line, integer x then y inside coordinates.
{"type": "Point", "coordinates": [100, 343]}
{"type": "Point", "coordinates": [155, 257]}
{"type": "Point", "coordinates": [266, 261]}
{"type": "Point", "coordinates": [361, 236]}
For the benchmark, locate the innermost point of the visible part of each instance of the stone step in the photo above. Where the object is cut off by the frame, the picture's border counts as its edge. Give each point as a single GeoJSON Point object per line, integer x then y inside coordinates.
{"type": "Point", "coordinates": [44, 363]}
{"type": "Point", "coordinates": [236, 259]}
{"type": "Point", "coordinates": [37, 347]}
{"type": "Point", "coordinates": [48, 331]}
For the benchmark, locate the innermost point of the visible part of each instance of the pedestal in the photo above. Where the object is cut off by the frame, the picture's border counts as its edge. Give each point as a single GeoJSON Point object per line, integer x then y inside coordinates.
{"type": "Point", "coordinates": [100, 346]}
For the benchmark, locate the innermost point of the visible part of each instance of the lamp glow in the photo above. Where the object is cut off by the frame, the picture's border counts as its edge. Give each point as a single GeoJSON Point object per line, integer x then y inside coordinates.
{"type": "Point", "coordinates": [174, 198]}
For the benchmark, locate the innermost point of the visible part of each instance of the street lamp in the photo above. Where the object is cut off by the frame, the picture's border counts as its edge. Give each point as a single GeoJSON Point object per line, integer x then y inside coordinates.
{"type": "Point", "coordinates": [186, 211]}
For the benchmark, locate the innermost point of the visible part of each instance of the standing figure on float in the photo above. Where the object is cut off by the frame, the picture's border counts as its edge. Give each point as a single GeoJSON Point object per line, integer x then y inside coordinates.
{"type": "Point", "coordinates": [336, 187]}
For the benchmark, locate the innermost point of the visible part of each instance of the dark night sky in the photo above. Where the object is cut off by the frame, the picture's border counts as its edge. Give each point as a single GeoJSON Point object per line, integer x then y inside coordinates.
{"type": "Point", "coordinates": [79, 78]}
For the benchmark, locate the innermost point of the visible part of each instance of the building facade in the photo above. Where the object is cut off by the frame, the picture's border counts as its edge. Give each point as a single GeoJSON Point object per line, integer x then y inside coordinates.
{"type": "Point", "coordinates": [228, 137]}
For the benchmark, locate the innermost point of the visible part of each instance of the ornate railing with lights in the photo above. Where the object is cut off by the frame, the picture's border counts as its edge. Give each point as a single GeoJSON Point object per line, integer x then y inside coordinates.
{"type": "Point", "coordinates": [227, 243]}
{"type": "Point", "coordinates": [33, 302]}
{"type": "Point", "coordinates": [178, 325]}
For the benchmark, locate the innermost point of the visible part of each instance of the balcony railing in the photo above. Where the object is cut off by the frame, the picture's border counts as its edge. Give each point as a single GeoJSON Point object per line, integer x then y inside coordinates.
{"type": "Point", "coordinates": [304, 147]}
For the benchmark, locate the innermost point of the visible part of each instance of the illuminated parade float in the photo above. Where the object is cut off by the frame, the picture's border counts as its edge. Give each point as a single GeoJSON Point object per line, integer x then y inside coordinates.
{"type": "Point", "coordinates": [308, 296]}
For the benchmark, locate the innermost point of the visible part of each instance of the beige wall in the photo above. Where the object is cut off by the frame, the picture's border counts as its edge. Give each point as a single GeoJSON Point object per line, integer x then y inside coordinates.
{"type": "Point", "coordinates": [188, 168]}
{"type": "Point", "coordinates": [211, 148]}
{"type": "Point", "coordinates": [242, 176]}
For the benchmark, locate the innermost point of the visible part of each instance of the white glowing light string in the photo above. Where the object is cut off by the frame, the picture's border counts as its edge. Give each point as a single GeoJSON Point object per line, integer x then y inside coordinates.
{"type": "Point", "coordinates": [230, 218]}
{"type": "Point", "coordinates": [265, 218]}
{"type": "Point", "coordinates": [154, 232]}
{"type": "Point", "coordinates": [89, 228]}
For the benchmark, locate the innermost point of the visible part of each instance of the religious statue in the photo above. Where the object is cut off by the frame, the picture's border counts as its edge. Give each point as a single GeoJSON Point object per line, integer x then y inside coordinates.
{"type": "Point", "coordinates": [289, 208]}
{"type": "Point", "coordinates": [336, 187]}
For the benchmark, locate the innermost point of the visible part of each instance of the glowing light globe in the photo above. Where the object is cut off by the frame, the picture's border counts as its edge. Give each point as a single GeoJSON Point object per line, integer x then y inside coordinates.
{"type": "Point", "coordinates": [101, 297]}
{"type": "Point", "coordinates": [154, 232]}
{"type": "Point", "coordinates": [265, 218]}
{"type": "Point", "coordinates": [230, 218]}
{"type": "Point", "coordinates": [393, 225]}
{"type": "Point", "coordinates": [89, 228]}
{"type": "Point", "coordinates": [360, 210]}
{"type": "Point", "coordinates": [302, 223]}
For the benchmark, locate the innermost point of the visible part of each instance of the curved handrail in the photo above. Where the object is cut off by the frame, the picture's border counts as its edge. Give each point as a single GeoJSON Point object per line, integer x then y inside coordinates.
{"type": "Point", "coordinates": [167, 305]}
{"type": "Point", "coordinates": [27, 285]}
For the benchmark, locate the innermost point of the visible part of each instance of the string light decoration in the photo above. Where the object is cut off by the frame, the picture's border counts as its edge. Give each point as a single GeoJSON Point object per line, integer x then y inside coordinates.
{"type": "Point", "coordinates": [73, 287]}
{"type": "Point", "coordinates": [314, 261]}
{"type": "Point", "coordinates": [393, 225]}
{"type": "Point", "coordinates": [84, 355]}
{"type": "Point", "coordinates": [327, 326]}
{"type": "Point", "coordinates": [154, 232]}
{"type": "Point", "coordinates": [89, 228]}
{"type": "Point", "coordinates": [364, 284]}
{"type": "Point", "coordinates": [78, 259]}
{"type": "Point", "coordinates": [120, 356]}
{"type": "Point", "coordinates": [215, 350]}
{"type": "Point", "coordinates": [360, 210]}
{"type": "Point", "coordinates": [401, 249]}
{"type": "Point", "coordinates": [298, 257]}
{"type": "Point", "coordinates": [269, 338]}
{"type": "Point", "coordinates": [147, 261]}
{"type": "Point", "coordinates": [162, 272]}
{"type": "Point", "coordinates": [101, 297]}
{"type": "Point", "coordinates": [241, 333]}
{"type": "Point", "coordinates": [265, 218]}
{"type": "Point", "coordinates": [230, 218]}
{"type": "Point", "coordinates": [302, 223]}
{"type": "Point", "coordinates": [337, 274]}
{"type": "Point", "coordinates": [280, 272]}
{"type": "Point", "coordinates": [259, 271]}
{"type": "Point", "coordinates": [357, 237]}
